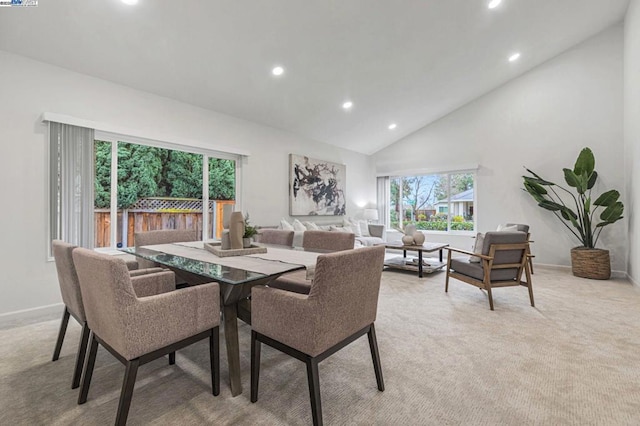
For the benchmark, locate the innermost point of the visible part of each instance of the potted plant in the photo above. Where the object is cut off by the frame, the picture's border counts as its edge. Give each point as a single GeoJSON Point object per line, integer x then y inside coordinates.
{"type": "Point", "coordinates": [587, 261]}
{"type": "Point", "coordinates": [249, 232]}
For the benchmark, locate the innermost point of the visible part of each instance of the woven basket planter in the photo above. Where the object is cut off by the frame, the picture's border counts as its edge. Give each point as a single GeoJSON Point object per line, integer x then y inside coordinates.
{"type": "Point", "coordinates": [590, 263]}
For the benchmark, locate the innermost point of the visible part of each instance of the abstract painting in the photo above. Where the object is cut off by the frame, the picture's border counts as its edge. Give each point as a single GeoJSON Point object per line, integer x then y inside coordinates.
{"type": "Point", "coordinates": [316, 187]}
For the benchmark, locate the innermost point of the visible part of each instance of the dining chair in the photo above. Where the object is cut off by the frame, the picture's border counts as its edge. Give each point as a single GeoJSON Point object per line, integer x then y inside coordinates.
{"type": "Point", "coordinates": [324, 241]}
{"type": "Point", "coordinates": [146, 281]}
{"type": "Point", "coordinates": [161, 236]}
{"type": "Point", "coordinates": [137, 330]}
{"type": "Point", "coordinates": [340, 307]}
{"type": "Point", "coordinates": [503, 260]}
{"type": "Point", "coordinates": [277, 236]}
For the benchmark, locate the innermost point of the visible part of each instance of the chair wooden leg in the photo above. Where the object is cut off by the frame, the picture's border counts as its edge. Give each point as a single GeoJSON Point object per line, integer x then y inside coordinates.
{"type": "Point", "coordinates": [446, 280]}
{"type": "Point", "coordinates": [172, 358]}
{"type": "Point", "coordinates": [214, 359]}
{"type": "Point", "coordinates": [82, 351]}
{"type": "Point", "coordinates": [488, 288]}
{"type": "Point", "coordinates": [61, 333]}
{"type": "Point", "coordinates": [529, 285]}
{"type": "Point", "coordinates": [126, 395]}
{"type": "Point", "coordinates": [88, 370]}
{"type": "Point", "coordinates": [314, 391]}
{"type": "Point", "coordinates": [375, 356]}
{"type": "Point", "coordinates": [255, 366]}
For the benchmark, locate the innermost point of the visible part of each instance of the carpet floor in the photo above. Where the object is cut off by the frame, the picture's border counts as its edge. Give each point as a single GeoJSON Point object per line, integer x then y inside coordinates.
{"type": "Point", "coordinates": [574, 359]}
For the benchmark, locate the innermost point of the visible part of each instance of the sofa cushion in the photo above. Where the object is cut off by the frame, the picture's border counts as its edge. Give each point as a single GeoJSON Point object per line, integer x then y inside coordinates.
{"type": "Point", "coordinates": [369, 241]}
{"type": "Point", "coordinates": [476, 271]}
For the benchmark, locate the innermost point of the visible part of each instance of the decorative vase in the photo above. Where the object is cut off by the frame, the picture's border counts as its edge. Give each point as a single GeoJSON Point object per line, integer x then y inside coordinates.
{"type": "Point", "coordinates": [410, 230]}
{"type": "Point", "coordinates": [590, 263]}
{"type": "Point", "coordinates": [236, 230]}
{"type": "Point", "coordinates": [225, 241]}
{"type": "Point", "coordinates": [246, 242]}
{"type": "Point", "coordinates": [418, 238]}
{"type": "Point", "coordinates": [407, 240]}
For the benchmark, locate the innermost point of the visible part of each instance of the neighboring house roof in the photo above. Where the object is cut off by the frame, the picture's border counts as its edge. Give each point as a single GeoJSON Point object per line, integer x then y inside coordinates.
{"type": "Point", "coordinates": [460, 197]}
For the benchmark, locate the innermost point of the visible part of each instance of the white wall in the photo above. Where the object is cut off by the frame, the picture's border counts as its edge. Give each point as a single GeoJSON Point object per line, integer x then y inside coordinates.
{"type": "Point", "coordinates": [540, 120]}
{"type": "Point", "coordinates": [632, 133]}
{"type": "Point", "coordinates": [29, 88]}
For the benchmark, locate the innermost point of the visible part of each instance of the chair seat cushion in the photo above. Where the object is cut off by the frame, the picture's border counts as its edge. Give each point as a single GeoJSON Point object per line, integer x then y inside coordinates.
{"type": "Point", "coordinates": [475, 270]}
{"type": "Point", "coordinates": [293, 281]}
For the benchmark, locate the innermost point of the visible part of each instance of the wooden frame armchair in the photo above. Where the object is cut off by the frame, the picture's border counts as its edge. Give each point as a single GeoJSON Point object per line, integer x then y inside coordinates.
{"type": "Point", "coordinates": [504, 258]}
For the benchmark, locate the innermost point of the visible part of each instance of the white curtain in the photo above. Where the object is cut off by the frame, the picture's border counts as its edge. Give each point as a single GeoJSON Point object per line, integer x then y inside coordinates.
{"type": "Point", "coordinates": [384, 199]}
{"type": "Point", "coordinates": [71, 184]}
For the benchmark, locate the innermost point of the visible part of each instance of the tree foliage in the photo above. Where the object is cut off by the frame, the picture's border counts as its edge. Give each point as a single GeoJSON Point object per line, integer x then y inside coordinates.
{"type": "Point", "coordinates": [146, 171]}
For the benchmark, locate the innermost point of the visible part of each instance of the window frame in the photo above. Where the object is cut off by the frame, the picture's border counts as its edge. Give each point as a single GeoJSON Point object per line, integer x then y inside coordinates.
{"type": "Point", "coordinates": [414, 173]}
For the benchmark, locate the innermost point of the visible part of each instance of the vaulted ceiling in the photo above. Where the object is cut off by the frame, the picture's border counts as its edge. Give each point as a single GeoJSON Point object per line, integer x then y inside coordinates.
{"type": "Point", "coordinates": [407, 62]}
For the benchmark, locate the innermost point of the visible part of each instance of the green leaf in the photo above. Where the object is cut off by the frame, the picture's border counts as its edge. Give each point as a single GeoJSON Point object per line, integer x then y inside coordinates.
{"type": "Point", "coordinates": [586, 162]}
{"type": "Point", "coordinates": [608, 198]}
{"type": "Point", "coordinates": [612, 212]}
{"type": "Point", "coordinates": [533, 187]}
{"type": "Point", "coordinates": [572, 179]}
{"type": "Point", "coordinates": [538, 179]}
{"type": "Point", "coordinates": [550, 205]}
{"type": "Point", "coordinates": [592, 179]}
{"type": "Point", "coordinates": [567, 213]}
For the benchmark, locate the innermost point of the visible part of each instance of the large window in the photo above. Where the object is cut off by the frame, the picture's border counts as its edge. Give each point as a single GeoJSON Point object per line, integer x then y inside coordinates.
{"type": "Point", "coordinates": [157, 188]}
{"type": "Point", "coordinates": [434, 202]}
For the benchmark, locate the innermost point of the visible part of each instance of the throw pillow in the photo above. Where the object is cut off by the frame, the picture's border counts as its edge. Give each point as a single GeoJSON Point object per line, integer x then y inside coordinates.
{"type": "Point", "coordinates": [503, 228]}
{"type": "Point", "coordinates": [364, 228]}
{"type": "Point", "coordinates": [477, 248]}
{"type": "Point", "coordinates": [285, 225]}
{"type": "Point", "coordinates": [311, 226]}
{"type": "Point", "coordinates": [298, 226]}
{"type": "Point", "coordinates": [354, 225]}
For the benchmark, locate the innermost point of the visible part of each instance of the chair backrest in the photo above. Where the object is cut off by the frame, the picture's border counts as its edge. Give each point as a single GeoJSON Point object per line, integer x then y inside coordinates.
{"type": "Point", "coordinates": [277, 236]}
{"type": "Point", "coordinates": [345, 288]}
{"type": "Point", "coordinates": [328, 240]}
{"type": "Point", "coordinates": [162, 236]}
{"type": "Point", "coordinates": [509, 256]}
{"type": "Point", "coordinates": [520, 226]}
{"type": "Point", "coordinates": [68, 278]}
{"type": "Point", "coordinates": [107, 294]}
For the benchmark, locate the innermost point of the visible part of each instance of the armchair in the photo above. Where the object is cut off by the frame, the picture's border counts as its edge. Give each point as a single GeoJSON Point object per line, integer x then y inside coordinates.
{"type": "Point", "coordinates": [503, 260]}
{"type": "Point", "coordinates": [136, 330]}
{"type": "Point", "coordinates": [340, 307]}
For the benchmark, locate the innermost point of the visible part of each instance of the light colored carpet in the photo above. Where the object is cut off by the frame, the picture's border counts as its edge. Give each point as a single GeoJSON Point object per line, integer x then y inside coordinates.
{"type": "Point", "coordinates": [446, 358]}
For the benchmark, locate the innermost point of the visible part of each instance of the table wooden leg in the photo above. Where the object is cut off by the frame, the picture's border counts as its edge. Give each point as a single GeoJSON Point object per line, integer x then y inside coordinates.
{"type": "Point", "coordinates": [230, 318]}
{"type": "Point", "coordinates": [419, 263]}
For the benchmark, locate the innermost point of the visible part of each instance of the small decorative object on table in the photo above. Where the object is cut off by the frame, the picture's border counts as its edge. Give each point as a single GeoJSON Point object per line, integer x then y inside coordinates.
{"type": "Point", "coordinates": [236, 230]}
{"type": "Point", "coordinates": [216, 249]}
{"type": "Point", "coordinates": [249, 232]}
{"type": "Point", "coordinates": [418, 238]}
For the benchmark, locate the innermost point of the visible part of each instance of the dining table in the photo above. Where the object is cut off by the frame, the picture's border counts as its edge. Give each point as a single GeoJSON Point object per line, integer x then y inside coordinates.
{"type": "Point", "coordinates": [236, 275]}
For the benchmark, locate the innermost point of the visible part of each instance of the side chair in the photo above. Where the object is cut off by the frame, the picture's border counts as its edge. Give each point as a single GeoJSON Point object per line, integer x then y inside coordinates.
{"type": "Point", "coordinates": [325, 241]}
{"type": "Point", "coordinates": [137, 330]}
{"type": "Point", "coordinates": [340, 307]}
{"type": "Point", "coordinates": [280, 237]}
{"type": "Point", "coordinates": [503, 260]}
{"type": "Point", "coordinates": [146, 281]}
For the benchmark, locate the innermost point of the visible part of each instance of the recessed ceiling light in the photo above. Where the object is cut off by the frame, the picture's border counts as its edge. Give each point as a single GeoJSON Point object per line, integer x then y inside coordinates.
{"type": "Point", "coordinates": [392, 126]}
{"type": "Point", "coordinates": [347, 105]}
{"type": "Point", "coordinates": [514, 57]}
{"type": "Point", "coordinates": [277, 71]}
{"type": "Point", "coordinates": [129, 2]}
{"type": "Point", "coordinates": [494, 3]}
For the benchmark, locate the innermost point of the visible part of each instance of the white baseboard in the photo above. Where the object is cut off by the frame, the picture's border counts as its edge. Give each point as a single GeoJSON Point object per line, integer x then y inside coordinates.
{"type": "Point", "coordinates": [614, 274]}
{"type": "Point", "coordinates": [29, 316]}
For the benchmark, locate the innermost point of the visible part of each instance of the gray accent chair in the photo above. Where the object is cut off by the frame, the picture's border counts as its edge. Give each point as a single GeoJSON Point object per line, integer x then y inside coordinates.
{"type": "Point", "coordinates": [525, 228]}
{"type": "Point", "coordinates": [276, 236]}
{"type": "Point", "coordinates": [136, 329]}
{"type": "Point", "coordinates": [147, 281]}
{"type": "Point", "coordinates": [503, 261]}
{"type": "Point", "coordinates": [340, 307]}
{"type": "Point", "coordinates": [324, 241]}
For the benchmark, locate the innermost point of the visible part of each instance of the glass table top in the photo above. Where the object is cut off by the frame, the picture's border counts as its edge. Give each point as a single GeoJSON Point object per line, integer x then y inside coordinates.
{"type": "Point", "coordinates": [216, 272]}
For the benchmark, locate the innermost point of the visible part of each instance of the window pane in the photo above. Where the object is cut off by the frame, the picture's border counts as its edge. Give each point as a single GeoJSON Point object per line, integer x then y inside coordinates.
{"type": "Point", "coordinates": [102, 198]}
{"type": "Point", "coordinates": [222, 190]}
{"type": "Point", "coordinates": [462, 208]}
{"type": "Point", "coordinates": [157, 189]}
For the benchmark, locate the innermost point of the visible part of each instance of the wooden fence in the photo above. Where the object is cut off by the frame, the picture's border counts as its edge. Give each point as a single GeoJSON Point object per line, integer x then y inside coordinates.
{"type": "Point", "coordinates": [141, 221]}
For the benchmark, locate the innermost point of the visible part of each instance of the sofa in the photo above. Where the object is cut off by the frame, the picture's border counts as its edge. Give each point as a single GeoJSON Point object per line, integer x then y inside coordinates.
{"type": "Point", "coordinates": [373, 234]}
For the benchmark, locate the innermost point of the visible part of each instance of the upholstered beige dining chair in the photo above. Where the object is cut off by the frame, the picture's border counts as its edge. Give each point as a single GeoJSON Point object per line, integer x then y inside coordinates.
{"type": "Point", "coordinates": [503, 261]}
{"type": "Point", "coordinates": [137, 330]}
{"type": "Point", "coordinates": [340, 307]}
{"type": "Point", "coordinates": [323, 241]}
{"type": "Point", "coordinates": [276, 236]}
{"type": "Point", "coordinates": [147, 281]}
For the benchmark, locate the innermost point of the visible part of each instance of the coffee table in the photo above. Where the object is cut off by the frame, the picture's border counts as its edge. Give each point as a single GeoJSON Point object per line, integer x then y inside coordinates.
{"type": "Point", "coordinates": [421, 265]}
